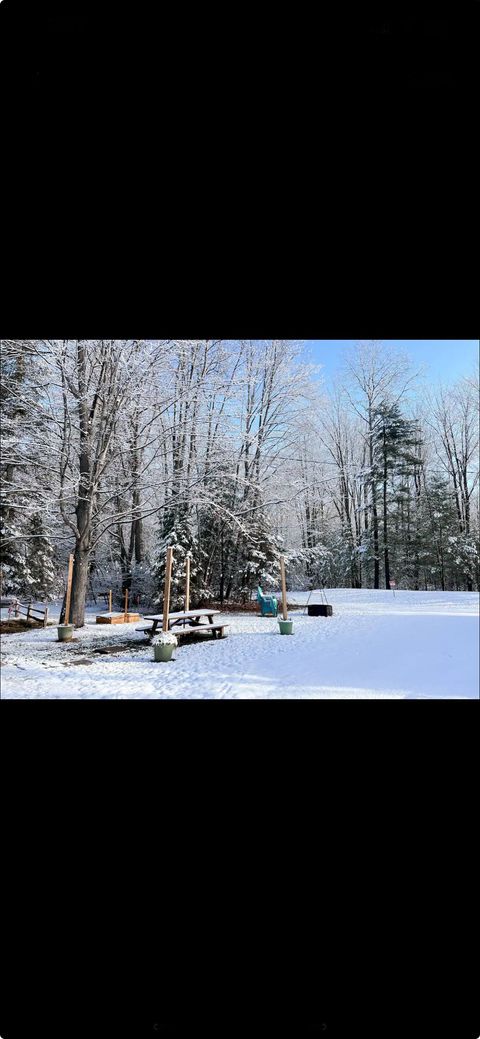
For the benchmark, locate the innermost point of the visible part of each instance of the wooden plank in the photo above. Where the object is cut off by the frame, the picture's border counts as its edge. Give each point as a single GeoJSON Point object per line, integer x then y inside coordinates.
{"type": "Point", "coordinates": [69, 588]}
{"type": "Point", "coordinates": [213, 628]}
{"type": "Point", "coordinates": [168, 581]}
{"type": "Point", "coordinates": [118, 618]}
{"type": "Point", "coordinates": [199, 627]}
{"type": "Point", "coordinates": [183, 613]}
{"type": "Point", "coordinates": [284, 589]}
{"type": "Point", "coordinates": [28, 611]}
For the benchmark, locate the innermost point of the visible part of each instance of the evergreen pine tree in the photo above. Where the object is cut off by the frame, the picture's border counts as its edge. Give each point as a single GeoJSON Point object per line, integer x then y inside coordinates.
{"type": "Point", "coordinates": [217, 531]}
{"type": "Point", "coordinates": [178, 532]}
{"type": "Point", "coordinates": [20, 383]}
{"type": "Point", "coordinates": [259, 556]}
{"type": "Point", "coordinates": [14, 572]}
{"type": "Point", "coordinates": [395, 437]}
{"type": "Point", "coordinates": [438, 535]}
{"type": "Point", "coordinates": [42, 576]}
{"type": "Point", "coordinates": [12, 558]}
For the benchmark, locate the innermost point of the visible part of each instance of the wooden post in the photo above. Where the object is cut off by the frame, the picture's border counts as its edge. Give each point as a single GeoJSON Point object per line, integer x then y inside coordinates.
{"type": "Point", "coordinates": [284, 589]}
{"type": "Point", "coordinates": [110, 601]}
{"type": "Point", "coordinates": [69, 588]}
{"type": "Point", "coordinates": [166, 594]}
{"type": "Point", "coordinates": [45, 617]}
{"type": "Point", "coordinates": [126, 603]}
{"type": "Point", "coordinates": [29, 606]}
{"type": "Point", "coordinates": [187, 584]}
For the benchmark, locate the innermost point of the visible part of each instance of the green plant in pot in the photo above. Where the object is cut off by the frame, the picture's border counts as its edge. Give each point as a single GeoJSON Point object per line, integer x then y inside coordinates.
{"type": "Point", "coordinates": [163, 646]}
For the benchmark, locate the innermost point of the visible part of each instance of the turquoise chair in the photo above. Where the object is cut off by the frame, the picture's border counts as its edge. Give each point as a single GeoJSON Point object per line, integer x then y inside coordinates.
{"type": "Point", "coordinates": [268, 604]}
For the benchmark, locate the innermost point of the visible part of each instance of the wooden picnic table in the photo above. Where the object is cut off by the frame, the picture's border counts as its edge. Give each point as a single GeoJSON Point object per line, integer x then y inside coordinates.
{"type": "Point", "coordinates": [189, 619]}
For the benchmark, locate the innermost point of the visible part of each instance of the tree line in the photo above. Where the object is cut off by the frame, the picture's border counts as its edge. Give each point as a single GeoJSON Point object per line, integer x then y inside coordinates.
{"type": "Point", "coordinates": [234, 452]}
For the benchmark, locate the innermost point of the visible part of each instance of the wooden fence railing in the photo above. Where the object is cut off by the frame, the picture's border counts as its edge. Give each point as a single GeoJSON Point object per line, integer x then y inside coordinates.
{"type": "Point", "coordinates": [26, 609]}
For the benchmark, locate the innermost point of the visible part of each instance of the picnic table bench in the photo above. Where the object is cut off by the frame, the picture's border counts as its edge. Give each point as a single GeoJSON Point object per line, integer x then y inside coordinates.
{"type": "Point", "coordinates": [188, 622]}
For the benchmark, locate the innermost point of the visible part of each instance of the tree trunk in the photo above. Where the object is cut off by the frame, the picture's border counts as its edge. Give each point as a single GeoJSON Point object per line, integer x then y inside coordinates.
{"type": "Point", "coordinates": [385, 518]}
{"type": "Point", "coordinates": [373, 491]}
{"type": "Point", "coordinates": [85, 499]}
{"type": "Point", "coordinates": [79, 585]}
{"type": "Point", "coordinates": [126, 581]}
{"type": "Point", "coordinates": [222, 573]}
{"type": "Point", "coordinates": [442, 571]}
{"type": "Point", "coordinates": [139, 542]}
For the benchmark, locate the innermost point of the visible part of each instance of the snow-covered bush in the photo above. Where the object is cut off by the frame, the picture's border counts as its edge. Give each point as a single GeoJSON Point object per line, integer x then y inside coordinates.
{"type": "Point", "coordinates": [166, 638]}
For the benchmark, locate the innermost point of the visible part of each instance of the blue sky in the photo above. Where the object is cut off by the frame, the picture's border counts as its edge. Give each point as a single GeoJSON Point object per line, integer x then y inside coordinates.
{"type": "Point", "coordinates": [444, 359]}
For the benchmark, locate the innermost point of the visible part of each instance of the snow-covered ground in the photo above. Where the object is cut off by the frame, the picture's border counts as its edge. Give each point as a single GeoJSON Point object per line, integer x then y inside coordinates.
{"type": "Point", "coordinates": [416, 645]}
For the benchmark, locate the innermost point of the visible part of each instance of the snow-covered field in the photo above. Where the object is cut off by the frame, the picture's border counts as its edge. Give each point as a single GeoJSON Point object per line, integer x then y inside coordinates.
{"type": "Point", "coordinates": [416, 645]}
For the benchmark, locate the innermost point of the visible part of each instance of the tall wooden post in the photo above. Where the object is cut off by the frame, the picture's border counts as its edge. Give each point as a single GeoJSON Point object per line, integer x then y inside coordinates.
{"type": "Point", "coordinates": [69, 588]}
{"type": "Point", "coordinates": [187, 584]}
{"type": "Point", "coordinates": [110, 601]}
{"type": "Point", "coordinates": [284, 589]}
{"type": "Point", "coordinates": [168, 581]}
{"type": "Point", "coordinates": [126, 603]}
